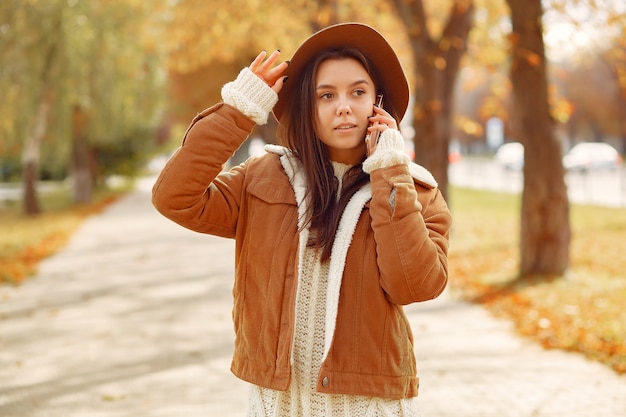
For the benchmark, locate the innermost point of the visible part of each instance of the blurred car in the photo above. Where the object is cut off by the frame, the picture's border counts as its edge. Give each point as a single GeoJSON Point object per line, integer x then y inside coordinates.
{"type": "Point", "coordinates": [454, 157]}
{"type": "Point", "coordinates": [590, 156]}
{"type": "Point", "coordinates": [510, 155]}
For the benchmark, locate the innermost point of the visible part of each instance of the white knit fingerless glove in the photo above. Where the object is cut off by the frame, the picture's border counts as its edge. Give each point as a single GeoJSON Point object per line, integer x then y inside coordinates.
{"type": "Point", "coordinates": [389, 151]}
{"type": "Point", "coordinates": [250, 95]}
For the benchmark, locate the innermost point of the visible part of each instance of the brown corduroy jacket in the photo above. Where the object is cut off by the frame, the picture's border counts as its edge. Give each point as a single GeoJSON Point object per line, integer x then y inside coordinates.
{"type": "Point", "coordinates": [390, 250]}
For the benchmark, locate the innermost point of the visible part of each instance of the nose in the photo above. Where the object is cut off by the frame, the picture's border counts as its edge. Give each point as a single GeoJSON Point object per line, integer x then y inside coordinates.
{"type": "Point", "coordinates": [343, 108]}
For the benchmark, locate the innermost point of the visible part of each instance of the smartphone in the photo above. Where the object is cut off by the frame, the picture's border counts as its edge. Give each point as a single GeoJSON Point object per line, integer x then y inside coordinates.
{"type": "Point", "coordinates": [373, 137]}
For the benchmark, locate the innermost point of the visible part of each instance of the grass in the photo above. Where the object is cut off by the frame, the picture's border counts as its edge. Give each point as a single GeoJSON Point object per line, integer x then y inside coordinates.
{"type": "Point", "coordinates": [26, 240]}
{"type": "Point", "coordinates": [581, 311]}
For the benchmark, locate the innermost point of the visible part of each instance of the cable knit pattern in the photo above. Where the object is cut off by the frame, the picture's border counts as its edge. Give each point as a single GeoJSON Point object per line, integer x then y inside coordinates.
{"type": "Point", "coordinates": [250, 95]}
{"type": "Point", "coordinates": [389, 151]}
{"type": "Point", "coordinates": [301, 398]}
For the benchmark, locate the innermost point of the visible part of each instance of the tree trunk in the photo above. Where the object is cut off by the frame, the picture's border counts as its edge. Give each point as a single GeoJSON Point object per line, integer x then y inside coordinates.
{"type": "Point", "coordinates": [623, 129]}
{"type": "Point", "coordinates": [81, 167]}
{"type": "Point", "coordinates": [621, 106]}
{"type": "Point", "coordinates": [32, 145]}
{"type": "Point", "coordinates": [31, 156]}
{"type": "Point", "coordinates": [437, 65]}
{"type": "Point", "coordinates": [429, 118]}
{"type": "Point", "coordinates": [615, 70]}
{"type": "Point", "coordinates": [545, 227]}
{"type": "Point", "coordinates": [30, 175]}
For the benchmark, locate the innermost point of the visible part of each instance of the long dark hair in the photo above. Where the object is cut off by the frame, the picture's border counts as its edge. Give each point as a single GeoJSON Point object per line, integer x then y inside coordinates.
{"type": "Point", "coordinates": [297, 132]}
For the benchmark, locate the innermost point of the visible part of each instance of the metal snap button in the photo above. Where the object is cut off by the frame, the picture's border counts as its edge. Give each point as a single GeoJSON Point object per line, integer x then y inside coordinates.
{"type": "Point", "coordinates": [325, 381]}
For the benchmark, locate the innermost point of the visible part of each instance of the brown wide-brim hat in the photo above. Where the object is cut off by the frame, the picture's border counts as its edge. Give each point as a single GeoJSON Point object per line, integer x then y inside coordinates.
{"type": "Point", "coordinates": [355, 35]}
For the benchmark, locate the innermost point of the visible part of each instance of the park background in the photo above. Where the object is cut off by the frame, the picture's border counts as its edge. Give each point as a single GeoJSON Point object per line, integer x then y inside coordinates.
{"type": "Point", "coordinates": [93, 91]}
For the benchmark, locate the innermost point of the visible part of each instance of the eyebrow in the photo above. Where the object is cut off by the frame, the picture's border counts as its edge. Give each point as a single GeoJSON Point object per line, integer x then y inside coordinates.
{"type": "Point", "coordinates": [329, 86]}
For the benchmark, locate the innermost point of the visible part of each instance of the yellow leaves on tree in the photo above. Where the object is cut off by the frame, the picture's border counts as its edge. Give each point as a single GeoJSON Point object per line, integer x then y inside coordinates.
{"type": "Point", "coordinates": [201, 32]}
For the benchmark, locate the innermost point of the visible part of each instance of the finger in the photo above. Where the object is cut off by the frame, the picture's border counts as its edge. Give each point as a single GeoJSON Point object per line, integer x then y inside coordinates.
{"type": "Point", "coordinates": [258, 60]}
{"type": "Point", "coordinates": [277, 70]}
{"type": "Point", "coordinates": [379, 111]}
{"type": "Point", "coordinates": [265, 66]}
{"type": "Point", "coordinates": [384, 121]}
{"type": "Point", "coordinates": [275, 73]}
{"type": "Point", "coordinates": [278, 85]}
{"type": "Point", "coordinates": [371, 147]}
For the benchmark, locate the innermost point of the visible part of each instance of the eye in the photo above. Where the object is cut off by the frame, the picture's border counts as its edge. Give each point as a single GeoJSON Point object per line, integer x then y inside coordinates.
{"type": "Point", "coordinates": [326, 96]}
{"type": "Point", "coordinates": [359, 92]}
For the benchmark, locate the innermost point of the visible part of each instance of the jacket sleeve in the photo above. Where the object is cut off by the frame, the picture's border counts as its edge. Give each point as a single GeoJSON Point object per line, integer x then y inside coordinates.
{"type": "Point", "coordinates": [411, 224]}
{"type": "Point", "coordinates": [190, 189]}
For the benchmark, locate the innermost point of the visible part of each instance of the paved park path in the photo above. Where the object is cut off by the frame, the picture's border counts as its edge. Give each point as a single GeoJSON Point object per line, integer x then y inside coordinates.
{"type": "Point", "coordinates": [132, 319]}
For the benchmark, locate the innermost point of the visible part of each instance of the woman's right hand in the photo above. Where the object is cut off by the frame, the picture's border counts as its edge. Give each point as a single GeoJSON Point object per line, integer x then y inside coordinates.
{"type": "Point", "coordinates": [262, 68]}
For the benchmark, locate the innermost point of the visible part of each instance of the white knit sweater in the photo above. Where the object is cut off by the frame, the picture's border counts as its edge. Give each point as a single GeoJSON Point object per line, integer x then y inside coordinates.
{"type": "Point", "coordinates": [301, 399]}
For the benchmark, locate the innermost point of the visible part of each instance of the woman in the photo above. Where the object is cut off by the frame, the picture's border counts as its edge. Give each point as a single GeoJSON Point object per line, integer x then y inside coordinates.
{"type": "Point", "coordinates": [334, 230]}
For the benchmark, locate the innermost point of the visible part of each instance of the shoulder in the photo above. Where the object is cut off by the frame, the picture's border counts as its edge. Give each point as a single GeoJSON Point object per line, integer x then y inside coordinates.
{"type": "Point", "coordinates": [266, 163]}
{"type": "Point", "coordinates": [422, 176]}
{"type": "Point", "coordinates": [269, 165]}
{"type": "Point", "coordinates": [430, 196]}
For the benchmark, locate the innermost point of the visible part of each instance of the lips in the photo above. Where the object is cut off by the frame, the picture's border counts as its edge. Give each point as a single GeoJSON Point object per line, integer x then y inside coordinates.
{"type": "Point", "coordinates": [345, 126]}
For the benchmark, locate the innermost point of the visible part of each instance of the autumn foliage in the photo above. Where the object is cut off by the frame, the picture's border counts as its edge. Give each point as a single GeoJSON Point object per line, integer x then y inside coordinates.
{"type": "Point", "coordinates": [27, 240]}
{"type": "Point", "coordinates": [581, 311]}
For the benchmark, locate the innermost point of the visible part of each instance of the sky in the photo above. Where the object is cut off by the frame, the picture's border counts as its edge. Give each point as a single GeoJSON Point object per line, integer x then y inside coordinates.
{"type": "Point", "coordinates": [582, 28]}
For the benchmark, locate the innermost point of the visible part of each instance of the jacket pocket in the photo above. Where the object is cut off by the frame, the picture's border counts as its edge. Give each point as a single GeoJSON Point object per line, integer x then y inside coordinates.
{"type": "Point", "coordinates": [271, 191]}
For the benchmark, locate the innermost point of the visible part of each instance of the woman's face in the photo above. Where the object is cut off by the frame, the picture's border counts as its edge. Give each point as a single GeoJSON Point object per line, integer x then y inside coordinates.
{"type": "Point", "coordinates": [344, 99]}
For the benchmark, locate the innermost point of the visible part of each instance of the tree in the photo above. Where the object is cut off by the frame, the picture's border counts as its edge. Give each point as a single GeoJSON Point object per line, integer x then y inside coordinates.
{"type": "Point", "coordinates": [437, 63]}
{"type": "Point", "coordinates": [595, 76]}
{"type": "Point", "coordinates": [483, 88]}
{"type": "Point", "coordinates": [201, 57]}
{"type": "Point", "coordinates": [113, 89]}
{"type": "Point", "coordinates": [87, 67]}
{"type": "Point", "coordinates": [595, 101]}
{"type": "Point", "coordinates": [30, 60]}
{"type": "Point", "coordinates": [545, 227]}
{"type": "Point", "coordinates": [615, 61]}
